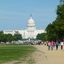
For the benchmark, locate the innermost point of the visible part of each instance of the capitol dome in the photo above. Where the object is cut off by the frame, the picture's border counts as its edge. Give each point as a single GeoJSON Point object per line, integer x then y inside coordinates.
{"type": "Point", "coordinates": [31, 24]}
{"type": "Point", "coordinates": [30, 21]}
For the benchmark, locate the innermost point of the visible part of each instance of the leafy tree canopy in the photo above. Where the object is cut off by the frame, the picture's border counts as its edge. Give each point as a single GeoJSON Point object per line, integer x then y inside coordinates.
{"type": "Point", "coordinates": [55, 30]}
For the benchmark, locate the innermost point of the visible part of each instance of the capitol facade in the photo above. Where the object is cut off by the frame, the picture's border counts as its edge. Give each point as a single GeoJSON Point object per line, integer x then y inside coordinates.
{"type": "Point", "coordinates": [30, 32]}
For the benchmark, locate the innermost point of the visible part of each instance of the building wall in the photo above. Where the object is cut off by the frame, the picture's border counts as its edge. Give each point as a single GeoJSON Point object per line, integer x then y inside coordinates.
{"type": "Point", "coordinates": [25, 34]}
{"type": "Point", "coordinates": [30, 31]}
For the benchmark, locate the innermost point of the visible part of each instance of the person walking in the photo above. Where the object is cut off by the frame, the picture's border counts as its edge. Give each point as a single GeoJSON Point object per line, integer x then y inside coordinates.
{"type": "Point", "coordinates": [52, 45]}
{"type": "Point", "coordinates": [61, 44]}
{"type": "Point", "coordinates": [48, 44]}
{"type": "Point", "coordinates": [57, 44]}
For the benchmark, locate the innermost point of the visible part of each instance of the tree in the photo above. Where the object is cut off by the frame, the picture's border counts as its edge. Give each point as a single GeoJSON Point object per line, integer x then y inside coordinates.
{"type": "Point", "coordinates": [6, 37]}
{"type": "Point", "coordinates": [51, 34]}
{"type": "Point", "coordinates": [9, 37]}
{"type": "Point", "coordinates": [42, 36]}
{"type": "Point", "coordinates": [17, 37]}
{"type": "Point", "coordinates": [55, 30]}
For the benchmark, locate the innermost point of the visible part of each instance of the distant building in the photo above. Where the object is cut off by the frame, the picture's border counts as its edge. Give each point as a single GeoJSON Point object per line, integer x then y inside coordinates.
{"type": "Point", "coordinates": [29, 33]}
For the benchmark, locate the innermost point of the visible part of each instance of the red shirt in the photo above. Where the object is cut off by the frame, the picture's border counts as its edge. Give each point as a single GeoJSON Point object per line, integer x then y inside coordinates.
{"type": "Point", "coordinates": [52, 43]}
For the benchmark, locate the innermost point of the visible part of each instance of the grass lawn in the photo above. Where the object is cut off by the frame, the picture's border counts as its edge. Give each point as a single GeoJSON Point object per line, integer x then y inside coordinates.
{"type": "Point", "coordinates": [9, 52]}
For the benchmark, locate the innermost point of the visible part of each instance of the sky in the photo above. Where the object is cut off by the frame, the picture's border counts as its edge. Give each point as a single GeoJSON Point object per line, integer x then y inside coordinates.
{"type": "Point", "coordinates": [14, 14]}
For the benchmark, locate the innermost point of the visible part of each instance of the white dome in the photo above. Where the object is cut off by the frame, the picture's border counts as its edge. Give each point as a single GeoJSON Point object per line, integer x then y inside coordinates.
{"type": "Point", "coordinates": [31, 24]}
{"type": "Point", "coordinates": [30, 21]}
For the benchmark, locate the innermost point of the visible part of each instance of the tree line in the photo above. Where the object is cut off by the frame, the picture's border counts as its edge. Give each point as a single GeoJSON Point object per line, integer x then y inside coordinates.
{"type": "Point", "coordinates": [55, 30]}
{"type": "Point", "coordinates": [9, 37]}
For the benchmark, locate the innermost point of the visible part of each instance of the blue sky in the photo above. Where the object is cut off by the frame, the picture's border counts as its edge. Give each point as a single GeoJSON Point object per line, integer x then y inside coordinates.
{"type": "Point", "coordinates": [14, 14]}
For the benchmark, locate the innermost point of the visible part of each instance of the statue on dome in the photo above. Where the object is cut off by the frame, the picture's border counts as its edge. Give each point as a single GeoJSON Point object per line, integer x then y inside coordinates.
{"type": "Point", "coordinates": [30, 15]}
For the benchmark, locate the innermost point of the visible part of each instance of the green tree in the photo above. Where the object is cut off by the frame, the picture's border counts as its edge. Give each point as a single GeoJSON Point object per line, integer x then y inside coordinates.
{"type": "Point", "coordinates": [9, 37]}
{"type": "Point", "coordinates": [6, 37]}
{"type": "Point", "coordinates": [55, 30]}
{"type": "Point", "coordinates": [42, 36]}
{"type": "Point", "coordinates": [17, 37]}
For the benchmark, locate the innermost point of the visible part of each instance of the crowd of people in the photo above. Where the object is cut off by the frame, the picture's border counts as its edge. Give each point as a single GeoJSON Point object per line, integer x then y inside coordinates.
{"type": "Point", "coordinates": [52, 44]}
{"type": "Point", "coordinates": [49, 44]}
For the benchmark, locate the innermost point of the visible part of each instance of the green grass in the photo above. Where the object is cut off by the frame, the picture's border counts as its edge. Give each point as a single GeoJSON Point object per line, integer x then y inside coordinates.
{"type": "Point", "coordinates": [9, 52]}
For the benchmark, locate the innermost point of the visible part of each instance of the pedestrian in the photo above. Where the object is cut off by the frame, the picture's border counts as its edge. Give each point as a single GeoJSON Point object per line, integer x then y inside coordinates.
{"type": "Point", "coordinates": [45, 43]}
{"type": "Point", "coordinates": [57, 44]}
{"type": "Point", "coordinates": [52, 45]}
{"type": "Point", "coordinates": [61, 44]}
{"type": "Point", "coordinates": [48, 44]}
{"type": "Point", "coordinates": [42, 42]}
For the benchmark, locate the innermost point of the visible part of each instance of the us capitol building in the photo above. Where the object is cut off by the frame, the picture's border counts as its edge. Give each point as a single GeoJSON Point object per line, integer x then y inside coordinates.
{"type": "Point", "coordinates": [30, 32]}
